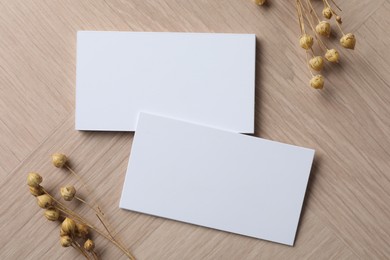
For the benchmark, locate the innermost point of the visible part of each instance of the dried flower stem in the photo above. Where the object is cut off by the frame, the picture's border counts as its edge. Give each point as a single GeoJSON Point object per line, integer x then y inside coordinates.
{"type": "Point", "coordinates": [80, 179]}
{"type": "Point", "coordinates": [81, 249]}
{"type": "Point", "coordinates": [94, 202]}
{"type": "Point", "coordinates": [311, 9]}
{"type": "Point", "coordinates": [313, 27]}
{"type": "Point", "coordinates": [74, 215]}
{"type": "Point", "coordinates": [336, 5]}
{"type": "Point", "coordinates": [308, 65]}
{"type": "Point", "coordinates": [95, 256]}
{"type": "Point", "coordinates": [300, 16]}
{"type": "Point", "coordinates": [61, 207]}
{"type": "Point", "coordinates": [327, 4]}
{"type": "Point", "coordinates": [97, 210]}
{"type": "Point", "coordinates": [339, 26]}
{"type": "Point", "coordinates": [75, 246]}
{"type": "Point", "coordinates": [99, 215]}
{"type": "Point", "coordinates": [319, 41]}
{"type": "Point", "coordinates": [86, 203]}
{"type": "Point", "coordinates": [124, 250]}
{"type": "Point", "coordinates": [108, 231]}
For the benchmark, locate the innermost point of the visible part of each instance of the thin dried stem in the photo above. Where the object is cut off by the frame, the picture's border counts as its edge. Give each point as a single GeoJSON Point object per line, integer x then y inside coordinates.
{"type": "Point", "coordinates": [97, 210]}
{"type": "Point", "coordinates": [83, 221]}
{"type": "Point", "coordinates": [334, 13]}
{"type": "Point", "coordinates": [300, 17]}
{"type": "Point", "coordinates": [124, 250]}
{"type": "Point", "coordinates": [76, 246]}
{"type": "Point", "coordinates": [108, 231]}
{"type": "Point", "coordinates": [80, 179]}
{"type": "Point", "coordinates": [100, 216]}
{"type": "Point", "coordinates": [336, 5]}
{"type": "Point", "coordinates": [319, 41]}
{"type": "Point", "coordinates": [86, 203]}
{"type": "Point", "coordinates": [64, 208]}
{"type": "Point", "coordinates": [61, 207]}
{"type": "Point", "coordinates": [339, 26]}
{"type": "Point", "coordinates": [307, 62]}
{"type": "Point", "coordinates": [311, 10]}
{"type": "Point", "coordinates": [331, 9]}
{"type": "Point", "coordinates": [95, 256]}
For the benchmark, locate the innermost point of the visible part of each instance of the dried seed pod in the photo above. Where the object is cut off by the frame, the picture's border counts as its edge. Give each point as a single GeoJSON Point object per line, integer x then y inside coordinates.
{"type": "Point", "coordinates": [89, 245]}
{"type": "Point", "coordinates": [69, 226]}
{"type": "Point", "coordinates": [66, 241]}
{"type": "Point", "coordinates": [34, 179]}
{"type": "Point", "coordinates": [348, 41]}
{"type": "Point", "coordinates": [306, 41]}
{"type": "Point", "coordinates": [338, 19]}
{"type": "Point", "coordinates": [63, 233]}
{"type": "Point", "coordinates": [59, 160]}
{"type": "Point", "coordinates": [316, 63]}
{"type": "Point", "coordinates": [68, 192]}
{"type": "Point", "coordinates": [327, 12]}
{"type": "Point", "coordinates": [52, 214]}
{"type": "Point", "coordinates": [45, 201]}
{"type": "Point", "coordinates": [36, 191]}
{"type": "Point", "coordinates": [259, 2]}
{"type": "Point", "coordinates": [332, 55]}
{"type": "Point", "coordinates": [323, 28]}
{"type": "Point", "coordinates": [82, 230]}
{"type": "Point", "coordinates": [317, 82]}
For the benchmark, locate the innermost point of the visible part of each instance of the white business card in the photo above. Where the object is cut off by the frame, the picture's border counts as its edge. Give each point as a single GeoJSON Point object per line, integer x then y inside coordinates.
{"type": "Point", "coordinates": [217, 179]}
{"type": "Point", "coordinates": [202, 77]}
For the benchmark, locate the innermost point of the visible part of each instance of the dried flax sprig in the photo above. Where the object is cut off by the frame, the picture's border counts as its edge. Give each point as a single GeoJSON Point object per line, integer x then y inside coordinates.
{"type": "Point", "coordinates": [313, 31]}
{"type": "Point", "coordinates": [60, 160]}
{"type": "Point", "coordinates": [74, 227]}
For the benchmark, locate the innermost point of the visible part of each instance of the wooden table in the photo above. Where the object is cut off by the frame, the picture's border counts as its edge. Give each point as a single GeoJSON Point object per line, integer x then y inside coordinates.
{"type": "Point", "coordinates": [346, 213]}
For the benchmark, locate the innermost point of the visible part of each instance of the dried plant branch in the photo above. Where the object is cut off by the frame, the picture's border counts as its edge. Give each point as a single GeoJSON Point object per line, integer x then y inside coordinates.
{"type": "Point", "coordinates": [74, 227]}
{"type": "Point", "coordinates": [312, 29]}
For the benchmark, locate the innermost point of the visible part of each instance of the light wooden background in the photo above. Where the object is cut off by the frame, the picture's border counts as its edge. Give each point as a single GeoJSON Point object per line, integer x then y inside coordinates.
{"type": "Point", "coordinates": [346, 214]}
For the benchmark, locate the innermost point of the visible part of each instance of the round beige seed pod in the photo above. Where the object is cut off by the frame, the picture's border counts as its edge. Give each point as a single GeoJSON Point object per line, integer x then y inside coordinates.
{"type": "Point", "coordinates": [259, 2]}
{"type": "Point", "coordinates": [316, 63]}
{"type": "Point", "coordinates": [59, 160]}
{"type": "Point", "coordinates": [68, 192]}
{"type": "Point", "coordinates": [66, 241]}
{"type": "Point", "coordinates": [45, 201]}
{"type": "Point", "coordinates": [69, 226]}
{"type": "Point", "coordinates": [52, 214]}
{"type": "Point", "coordinates": [36, 191]}
{"type": "Point", "coordinates": [348, 41]}
{"type": "Point", "coordinates": [338, 19]}
{"type": "Point", "coordinates": [306, 41]}
{"type": "Point", "coordinates": [327, 12]}
{"type": "Point", "coordinates": [332, 55]}
{"type": "Point", "coordinates": [317, 82]}
{"type": "Point", "coordinates": [34, 179]}
{"type": "Point", "coordinates": [89, 245]}
{"type": "Point", "coordinates": [81, 230]}
{"type": "Point", "coordinates": [63, 233]}
{"type": "Point", "coordinates": [323, 28]}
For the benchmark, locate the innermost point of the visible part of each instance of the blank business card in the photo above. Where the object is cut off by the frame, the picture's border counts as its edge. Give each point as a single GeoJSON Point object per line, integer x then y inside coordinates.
{"type": "Point", "coordinates": [202, 77]}
{"type": "Point", "coordinates": [217, 179]}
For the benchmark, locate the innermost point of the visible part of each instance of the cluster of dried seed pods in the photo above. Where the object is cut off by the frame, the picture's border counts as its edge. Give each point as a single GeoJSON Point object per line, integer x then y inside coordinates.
{"type": "Point", "coordinates": [75, 228]}
{"type": "Point", "coordinates": [315, 29]}
{"type": "Point", "coordinates": [307, 18]}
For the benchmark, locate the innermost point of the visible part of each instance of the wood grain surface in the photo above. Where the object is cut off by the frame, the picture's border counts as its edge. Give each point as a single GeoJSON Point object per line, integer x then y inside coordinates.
{"type": "Point", "coordinates": [346, 214]}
